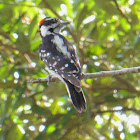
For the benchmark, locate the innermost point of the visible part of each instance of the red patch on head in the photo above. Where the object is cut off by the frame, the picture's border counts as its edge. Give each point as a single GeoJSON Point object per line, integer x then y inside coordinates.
{"type": "Point", "coordinates": [41, 22]}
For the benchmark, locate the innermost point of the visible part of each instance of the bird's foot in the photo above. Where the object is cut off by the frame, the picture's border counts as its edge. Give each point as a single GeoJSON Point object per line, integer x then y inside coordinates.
{"type": "Point", "coordinates": [48, 79]}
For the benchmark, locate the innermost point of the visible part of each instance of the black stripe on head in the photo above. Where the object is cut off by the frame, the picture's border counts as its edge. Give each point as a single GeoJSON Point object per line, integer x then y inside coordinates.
{"type": "Point", "coordinates": [50, 21]}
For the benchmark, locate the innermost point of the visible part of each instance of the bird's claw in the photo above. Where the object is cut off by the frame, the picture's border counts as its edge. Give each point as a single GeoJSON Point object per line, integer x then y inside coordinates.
{"type": "Point", "coordinates": [48, 78]}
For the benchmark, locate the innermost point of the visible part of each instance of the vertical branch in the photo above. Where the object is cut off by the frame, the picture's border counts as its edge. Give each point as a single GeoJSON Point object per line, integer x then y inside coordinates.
{"type": "Point", "coordinates": [122, 14]}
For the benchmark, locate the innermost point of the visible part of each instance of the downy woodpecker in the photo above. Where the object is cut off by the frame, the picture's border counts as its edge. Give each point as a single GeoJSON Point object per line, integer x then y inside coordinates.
{"type": "Point", "coordinates": [61, 59]}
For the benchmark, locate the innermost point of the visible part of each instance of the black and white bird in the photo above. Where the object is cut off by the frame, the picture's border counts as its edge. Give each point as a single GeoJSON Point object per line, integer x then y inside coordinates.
{"type": "Point", "coordinates": [61, 59]}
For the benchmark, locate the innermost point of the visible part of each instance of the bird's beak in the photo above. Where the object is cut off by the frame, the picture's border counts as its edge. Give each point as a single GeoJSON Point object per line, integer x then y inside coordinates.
{"type": "Point", "coordinates": [61, 25]}
{"type": "Point", "coordinates": [64, 23]}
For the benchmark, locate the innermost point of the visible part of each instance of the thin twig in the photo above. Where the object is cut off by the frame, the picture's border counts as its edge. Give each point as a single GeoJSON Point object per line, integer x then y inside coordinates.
{"type": "Point", "coordinates": [113, 73]}
{"type": "Point", "coordinates": [122, 14]}
{"type": "Point", "coordinates": [43, 80]}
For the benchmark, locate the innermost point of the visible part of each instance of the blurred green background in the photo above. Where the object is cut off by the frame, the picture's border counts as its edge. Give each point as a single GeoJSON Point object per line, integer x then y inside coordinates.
{"type": "Point", "coordinates": [106, 34]}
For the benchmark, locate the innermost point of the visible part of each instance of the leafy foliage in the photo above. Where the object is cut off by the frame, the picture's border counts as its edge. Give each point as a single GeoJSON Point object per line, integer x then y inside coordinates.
{"type": "Point", "coordinates": [107, 37]}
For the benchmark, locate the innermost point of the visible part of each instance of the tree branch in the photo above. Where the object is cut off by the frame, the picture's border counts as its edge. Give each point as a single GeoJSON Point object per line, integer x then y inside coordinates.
{"type": "Point", "coordinates": [113, 73]}
{"type": "Point", "coordinates": [122, 14]}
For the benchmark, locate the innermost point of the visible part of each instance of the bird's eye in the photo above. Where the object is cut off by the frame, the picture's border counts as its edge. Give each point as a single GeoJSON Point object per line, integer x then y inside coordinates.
{"type": "Point", "coordinates": [56, 20]}
{"type": "Point", "coordinates": [51, 29]}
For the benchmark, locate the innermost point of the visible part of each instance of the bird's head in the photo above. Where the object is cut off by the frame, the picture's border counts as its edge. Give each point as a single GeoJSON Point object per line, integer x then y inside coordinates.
{"type": "Point", "coordinates": [50, 25]}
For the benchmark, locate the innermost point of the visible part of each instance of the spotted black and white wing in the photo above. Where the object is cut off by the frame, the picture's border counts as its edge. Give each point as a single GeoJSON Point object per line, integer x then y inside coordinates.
{"type": "Point", "coordinates": [63, 64]}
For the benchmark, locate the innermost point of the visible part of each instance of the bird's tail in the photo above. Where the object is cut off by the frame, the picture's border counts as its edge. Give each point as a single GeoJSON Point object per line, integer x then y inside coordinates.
{"type": "Point", "coordinates": [77, 96]}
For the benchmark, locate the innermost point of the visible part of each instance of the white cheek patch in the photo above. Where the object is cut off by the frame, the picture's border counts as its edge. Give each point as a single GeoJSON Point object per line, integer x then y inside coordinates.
{"type": "Point", "coordinates": [54, 25]}
{"type": "Point", "coordinates": [44, 30]}
{"type": "Point", "coordinates": [57, 30]}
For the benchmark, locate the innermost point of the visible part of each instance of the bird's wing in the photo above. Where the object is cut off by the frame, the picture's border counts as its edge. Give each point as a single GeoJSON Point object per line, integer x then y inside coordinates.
{"type": "Point", "coordinates": [60, 64]}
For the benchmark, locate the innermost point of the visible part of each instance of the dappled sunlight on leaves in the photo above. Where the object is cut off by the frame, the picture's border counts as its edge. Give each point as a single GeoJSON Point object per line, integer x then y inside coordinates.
{"type": "Point", "coordinates": [106, 35]}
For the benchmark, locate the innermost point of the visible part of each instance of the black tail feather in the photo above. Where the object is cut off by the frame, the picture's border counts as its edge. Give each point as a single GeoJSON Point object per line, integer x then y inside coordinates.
{"type": "Point", "coordinates": [77, 96]}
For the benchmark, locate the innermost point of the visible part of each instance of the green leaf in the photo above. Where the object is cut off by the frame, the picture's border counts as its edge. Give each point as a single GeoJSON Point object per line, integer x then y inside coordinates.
{"type": "Point", "coordinates": [51, 128]}
{"type": "Point", "coordinates": [33, 27]}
